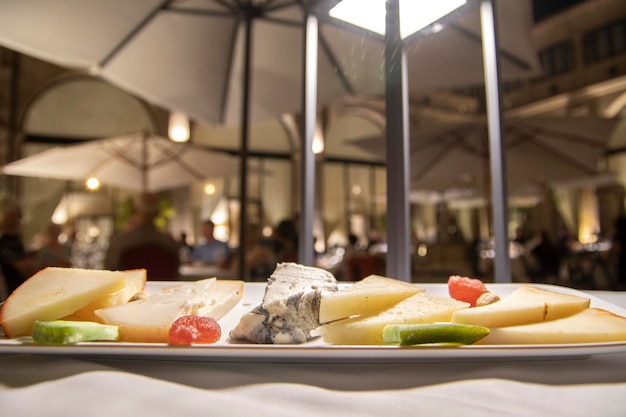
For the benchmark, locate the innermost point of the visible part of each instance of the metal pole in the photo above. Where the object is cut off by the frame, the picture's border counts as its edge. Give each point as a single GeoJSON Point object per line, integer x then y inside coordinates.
{"type": "Point", "coordinates": [396, 98]}
{"type": "Point", "coordinates": [497, 158]}
{"type": "Point", "coordinates": [309, 108]}
{"type": "Point", "coordinates": [244, 137]}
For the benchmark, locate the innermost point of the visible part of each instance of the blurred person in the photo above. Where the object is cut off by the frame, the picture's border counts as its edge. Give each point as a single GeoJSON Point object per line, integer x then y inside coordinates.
{"type": "Point", "coordinates": [259, 257]}
{"type": "Point", "coordinates": [285, 238]}
{"type": "Point", "coordinates": [211, 251]}
{"type": "Point", "coordinates": [17, 265]}
{"type": "Point", "coordinates": [52, 252]}
{"type": "Point", "coordinates": [141, 230]}
{"type": "Point", "coordinates": [352, 251]}
{"type": "Point", "coordinates": [618, 251]}
{"type": "Point", "coordinates": [547, 257]}
{"type": "Point", "coordinates": [186, 249]}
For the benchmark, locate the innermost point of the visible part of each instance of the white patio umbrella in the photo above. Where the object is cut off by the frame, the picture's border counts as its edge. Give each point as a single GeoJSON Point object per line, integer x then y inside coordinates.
{"type": "Point", "coordinates": [546, 151]}
{"type": "Point", "coordinates": [188, 55]}
{"type": "Point", "coordinates": [228, 61]}
{"type": "Point", "coordinates": [137, 162]}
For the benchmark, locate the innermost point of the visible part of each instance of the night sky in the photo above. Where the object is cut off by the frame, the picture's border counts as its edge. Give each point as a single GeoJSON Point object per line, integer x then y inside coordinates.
{"type": "Point", "coordinates": [546, 8]}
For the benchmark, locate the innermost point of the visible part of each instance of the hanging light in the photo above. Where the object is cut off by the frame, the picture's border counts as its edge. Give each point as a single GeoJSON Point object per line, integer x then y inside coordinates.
{"type": "Point", "coordinates": [209, 189]}
{"type": "Point", "coordinates": [317, 145]}
{"type": "Point", "coordinates": [178, 130]}
{"type": "Point", "coordinates": [415, 15]}
{"type": "Point", "coordinates": [92, 183]}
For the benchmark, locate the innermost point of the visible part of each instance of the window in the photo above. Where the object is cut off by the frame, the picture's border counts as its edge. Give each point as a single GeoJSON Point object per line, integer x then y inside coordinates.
{"type": "Point", "coordinates": [605, 42]}
{"type": "Point", "coordinates": [557, 59]}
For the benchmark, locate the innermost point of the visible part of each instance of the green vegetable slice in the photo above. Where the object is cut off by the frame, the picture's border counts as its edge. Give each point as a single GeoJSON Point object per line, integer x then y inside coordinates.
{"type": "Point", "coordinates": [419, 334]}
{"type": "Point", "coordinates": [62, 332]}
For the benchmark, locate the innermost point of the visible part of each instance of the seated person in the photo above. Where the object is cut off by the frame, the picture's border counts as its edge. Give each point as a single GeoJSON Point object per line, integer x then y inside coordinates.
{"type": "Point", "coordinates": [211, 251]}
{"type": "Point", "coordinates": [53, 252]}
{"type": "Point", "coordinates": [16, 264]}
{"type": "Point", "coordinates": [258, 256]}
{"type": "Point", "coordinates": [141, 231]}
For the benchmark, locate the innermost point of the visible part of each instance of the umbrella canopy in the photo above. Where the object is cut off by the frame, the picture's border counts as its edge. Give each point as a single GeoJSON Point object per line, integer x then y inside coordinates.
{"type": "Point", "coordinates": [228, 61]}
{"type": "Point", "coordinates": [539, 151]}
{"type": "Point", "coordinates": [187, 55]}
{"type": "Point", "coordinates": [76, 204]}
{"type": "Point", "coordinates": [137, 162]}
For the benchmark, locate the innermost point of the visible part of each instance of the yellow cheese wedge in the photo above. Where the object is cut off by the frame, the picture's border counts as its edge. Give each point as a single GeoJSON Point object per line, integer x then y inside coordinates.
{"type": "Point", "coordinates": [149, 320]}
{"type": "Point", "coordinates": [53, 293]}
{"type": "Point", "coordinates": [591, 325]}
{"type": "Point", "coordinates": [524, 306]}
{"type": "Point", "coordinates": [421, 308]}
{"type": "Point", "coordinates": [135, 283]}
{"type": "Point", "coordinates": [371, 295]}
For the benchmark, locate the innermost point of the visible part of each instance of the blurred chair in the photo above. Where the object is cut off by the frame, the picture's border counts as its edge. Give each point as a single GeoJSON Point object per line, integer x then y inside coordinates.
{"type": "Point", "coordinates": [361, 266]}
{"type": "Point", "coordinates": [161, 264]}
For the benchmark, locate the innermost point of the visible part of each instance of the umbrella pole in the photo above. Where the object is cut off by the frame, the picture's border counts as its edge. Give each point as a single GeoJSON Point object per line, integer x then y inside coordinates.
{"type": "Point", "coordinates": [398, 229]}
{"type": "Point", "coordinates": [243, 176]}
{"type": "Point", "coordinates": [307, 178]}
{"type": "Point", "coordinates": [502, 272]}
{"type": "Point", "coordinates": [144, 163]}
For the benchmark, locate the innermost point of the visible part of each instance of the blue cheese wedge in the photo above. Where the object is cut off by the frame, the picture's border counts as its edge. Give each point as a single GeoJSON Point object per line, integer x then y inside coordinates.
{"type": "Point", "coordinates": [290, 307]}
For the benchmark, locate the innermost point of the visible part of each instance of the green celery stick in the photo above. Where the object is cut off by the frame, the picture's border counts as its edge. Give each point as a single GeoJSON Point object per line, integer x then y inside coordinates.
{"type": "Point", "coordinates": [418, 334]}
{"type": "Point", "coordinates": [62, 332]}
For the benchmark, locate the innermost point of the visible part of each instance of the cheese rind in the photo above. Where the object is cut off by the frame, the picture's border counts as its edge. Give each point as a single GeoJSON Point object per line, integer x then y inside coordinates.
{"type": "Point", "coordinates": [421, 308]}
{"type": "Point", "coordinates": [591, 325]}
{"type": "Point", "coordinates": [290, 307]}
{"type": "Point", "coordinates": [149, 320]}
{"type": "Point", "coordinates": [53, 293]}
{"type": "Point", "coordinates": [370, 295]}
{"type": "Point", "coordinates": [523, 306]}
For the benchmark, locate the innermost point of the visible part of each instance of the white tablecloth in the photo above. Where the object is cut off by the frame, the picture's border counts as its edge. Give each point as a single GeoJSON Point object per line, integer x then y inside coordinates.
{"type": "Point", "coordinates": [51, 386]}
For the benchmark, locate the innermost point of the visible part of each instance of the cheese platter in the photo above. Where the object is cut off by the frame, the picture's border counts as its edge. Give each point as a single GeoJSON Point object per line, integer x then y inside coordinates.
{"type": "Point", "coordinates": [316, 350]}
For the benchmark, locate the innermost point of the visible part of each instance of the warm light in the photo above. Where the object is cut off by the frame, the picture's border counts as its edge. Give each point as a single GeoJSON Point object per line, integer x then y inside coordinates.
{"type": "Point", "coordinates": [93, 231]}
{"type": "Point", "coordinates": [356, 190]}
{"type": "Point", "coordinates": [219, 217]}
{"type": "Point", "coordinates": [414, 15]}
{"type": "Point", "coordinates": [59, 217]}
{"type": "Point", "coordinates": [317, 146]}
{"type": "Point", "coordinates": [179, 127]}
{"type": "Point", "coordinates": [220, 232]}
{"type": "Point", "coordinates": [92, 183]}
{"type": "Point", "coordinates": [209, 189]}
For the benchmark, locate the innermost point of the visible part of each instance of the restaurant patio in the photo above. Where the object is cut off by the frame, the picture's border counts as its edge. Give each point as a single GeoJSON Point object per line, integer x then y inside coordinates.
{"type": "Point", "coordinates": [488, 144]}
{"type": "Point", "coordinates": [444, 218]}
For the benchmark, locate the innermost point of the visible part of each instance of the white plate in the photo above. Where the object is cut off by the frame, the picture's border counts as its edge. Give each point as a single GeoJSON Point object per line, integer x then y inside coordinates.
{"type": "Point", "coordinates": [317, 351]}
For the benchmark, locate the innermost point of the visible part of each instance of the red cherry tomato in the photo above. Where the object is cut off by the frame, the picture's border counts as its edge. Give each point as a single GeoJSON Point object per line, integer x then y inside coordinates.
{"type": "Point", "coordinates": [194, 329]}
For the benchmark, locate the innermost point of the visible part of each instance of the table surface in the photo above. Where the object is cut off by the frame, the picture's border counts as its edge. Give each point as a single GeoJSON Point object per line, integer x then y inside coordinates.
{"type": "Point", "coordinates": [39, 385]}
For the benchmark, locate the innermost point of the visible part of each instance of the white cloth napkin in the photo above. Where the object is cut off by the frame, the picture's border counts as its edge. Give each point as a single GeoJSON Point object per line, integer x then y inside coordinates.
{"type": "Point", "coordinates": [64, 387]}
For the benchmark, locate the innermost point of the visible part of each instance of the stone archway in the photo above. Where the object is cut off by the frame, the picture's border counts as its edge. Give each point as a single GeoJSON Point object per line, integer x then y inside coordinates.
{"type": "Point", "coordinates": [68, 109]}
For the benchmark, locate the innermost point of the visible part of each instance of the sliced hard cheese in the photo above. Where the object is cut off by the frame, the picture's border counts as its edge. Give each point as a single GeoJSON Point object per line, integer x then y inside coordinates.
{"type": "Point", "coordinates": [53, 293]}
{"type": "Point", "coordinates": [591, 325]}
{"type": "Point", "coordinates": [148, 320]}
{"type": "Point", "coordinates": [135, 283]}
{"type": "Point", "coordinates": [420, 308]}
{"type": "Point", "coordinates": [524, 306]}
{"type": "Point", "coordinates": [369, 296]}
